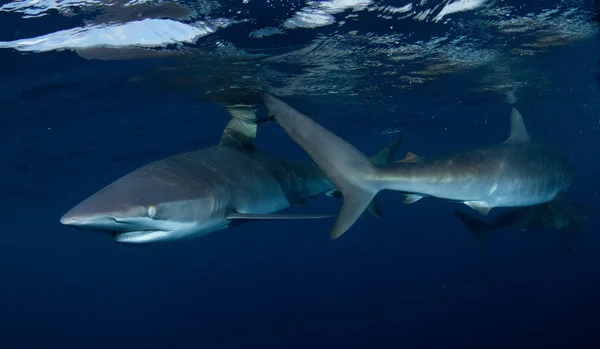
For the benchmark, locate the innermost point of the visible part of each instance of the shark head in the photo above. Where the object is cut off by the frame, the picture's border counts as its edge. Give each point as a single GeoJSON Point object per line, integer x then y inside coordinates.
{"type": "Point", "coordinates": [148, 205]}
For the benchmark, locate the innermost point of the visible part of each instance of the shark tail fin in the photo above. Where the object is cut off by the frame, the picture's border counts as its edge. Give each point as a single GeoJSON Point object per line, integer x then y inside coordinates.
{"type": "Point", "coordinates": [373, 207]}
{"type": "Point", "coordinates": [383, 157]}
{"type": "Point", "coordinates": [345, 166]}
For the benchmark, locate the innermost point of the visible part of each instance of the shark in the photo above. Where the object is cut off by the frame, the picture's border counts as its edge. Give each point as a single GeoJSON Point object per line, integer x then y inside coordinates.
{"type": "Point", "coordinates": [558, 214]}
{"type": "Point", "coordinates": [515, 173]}
{"type": "Point", "coordinates": [191, 194]}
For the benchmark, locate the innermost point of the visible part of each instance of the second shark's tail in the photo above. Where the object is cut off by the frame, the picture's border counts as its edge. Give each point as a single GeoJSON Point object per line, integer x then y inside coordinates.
{"type": "Point", "coordinates": [351, 171]}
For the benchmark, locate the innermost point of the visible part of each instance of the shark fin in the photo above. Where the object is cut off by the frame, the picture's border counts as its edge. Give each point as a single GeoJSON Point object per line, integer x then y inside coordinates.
{"type": "Point", "coordinates": [411, 198]}
{"type": "Point", "coordinates": [386, 155]}
{"type": "Point", "coordinates": [518, 132]}
{"type": "Point", "coordinates": [334, 193]}
{"type": "Point", "coordinates": [345, 166]}
{"type": "Point", "coordinates": [410, 157]}
{"type": "Point", "coordinates": [479, 207]}
{"type": "Point", "coordinates": [241, 129]}
{"type": "Point", "coordinates": [237, 215]}
{"type": "Point", "coordinates": [373, 208]}
{"type": "Point", "coordinates": [355, 202]}
{"type": "Point", "coordinates": [383, 157]}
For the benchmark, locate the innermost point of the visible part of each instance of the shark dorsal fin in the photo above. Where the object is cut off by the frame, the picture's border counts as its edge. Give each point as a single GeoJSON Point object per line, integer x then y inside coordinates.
{"type": "Point", "coordinates": [241, 130]}
{"type": "Point", "coordinates": [386, 155]}
{"type": "Point", "coordinates": [518, 132]}
{"type": "Point", "coordinates": [410, 157]}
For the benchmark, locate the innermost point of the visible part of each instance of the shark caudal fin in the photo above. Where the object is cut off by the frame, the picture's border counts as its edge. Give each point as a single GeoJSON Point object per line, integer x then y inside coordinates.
{"type": "Point", "coordinates": [383, 157]}
{"type": "Point", "coordinates": [345, 166]}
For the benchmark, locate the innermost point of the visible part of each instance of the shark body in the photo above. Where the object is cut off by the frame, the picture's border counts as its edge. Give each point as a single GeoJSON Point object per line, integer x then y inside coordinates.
{"type": "Point", "coordinates": [515, 173]}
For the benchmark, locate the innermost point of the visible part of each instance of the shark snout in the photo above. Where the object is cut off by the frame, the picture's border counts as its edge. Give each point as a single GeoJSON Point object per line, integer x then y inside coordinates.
{"type": "Point", "coordinates": [72, 219]}
{"type": "Point", "coordinates": [68, 220]}
{"type": "Point", "coordinates": [74, 216]}
{"type": "Point", "coordinates": [88, 222]}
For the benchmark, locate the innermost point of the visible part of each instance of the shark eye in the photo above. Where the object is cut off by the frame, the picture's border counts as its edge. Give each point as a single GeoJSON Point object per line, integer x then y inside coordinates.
{"type": "Point", "coordinates": [151, 211]}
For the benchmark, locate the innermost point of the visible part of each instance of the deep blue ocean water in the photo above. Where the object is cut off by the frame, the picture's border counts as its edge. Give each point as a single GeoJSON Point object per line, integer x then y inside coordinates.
{"type": "Point", "coordinates": [416, 278]}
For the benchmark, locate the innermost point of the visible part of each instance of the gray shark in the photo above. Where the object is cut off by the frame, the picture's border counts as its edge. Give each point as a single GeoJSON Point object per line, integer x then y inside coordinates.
{"type": "Point", "coordinates": [515, 173]}
{"type": "Point", "coordinates": [192, 194]}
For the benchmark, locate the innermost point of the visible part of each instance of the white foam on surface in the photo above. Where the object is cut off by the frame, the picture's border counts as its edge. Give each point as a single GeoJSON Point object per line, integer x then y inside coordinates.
{"type": "Point", "coordinates": [320, 13]}
{"type": "Point", "coordinates": [144, 33]}
{"type": "Point", "coordinates": [459, 6]}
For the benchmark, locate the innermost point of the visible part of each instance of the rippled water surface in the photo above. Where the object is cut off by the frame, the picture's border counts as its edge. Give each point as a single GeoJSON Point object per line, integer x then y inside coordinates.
{"type": "Point", "coordinates": [371, 49]}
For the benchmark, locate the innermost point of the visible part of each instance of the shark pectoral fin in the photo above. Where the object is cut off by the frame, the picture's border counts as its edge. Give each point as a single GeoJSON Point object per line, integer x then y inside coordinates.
{"type": "Point", "coordinates": [237, 215]}
{"type": "Point", "coordinates": [518, 131]}
{"type": "Point", "coordinates": [241, 129]}
{"type": "Point", "coordinates": [410, 198]}
{"type": "Point", "coordinates": [479, 207]}
{"type": "Point", "coordinates": [355, 203]}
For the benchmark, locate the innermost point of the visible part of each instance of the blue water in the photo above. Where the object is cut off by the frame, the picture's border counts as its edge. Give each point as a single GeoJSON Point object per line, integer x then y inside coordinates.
{"type": "Point", "coordinates": [416, 278]}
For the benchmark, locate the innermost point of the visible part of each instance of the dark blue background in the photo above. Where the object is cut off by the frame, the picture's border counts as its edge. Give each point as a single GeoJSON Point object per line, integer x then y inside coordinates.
{"type": "Point", "coordinates": [415, 278]}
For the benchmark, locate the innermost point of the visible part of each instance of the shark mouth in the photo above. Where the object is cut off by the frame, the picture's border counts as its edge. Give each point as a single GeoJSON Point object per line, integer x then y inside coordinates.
{"type": "Point", "coordinates": [141, 237]}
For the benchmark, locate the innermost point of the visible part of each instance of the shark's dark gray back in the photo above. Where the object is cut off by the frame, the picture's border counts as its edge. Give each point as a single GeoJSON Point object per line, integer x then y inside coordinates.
{"type": "Point", "coordinates": [222, 171]}
{"type": "Point", "coordinates": [509, 158]}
